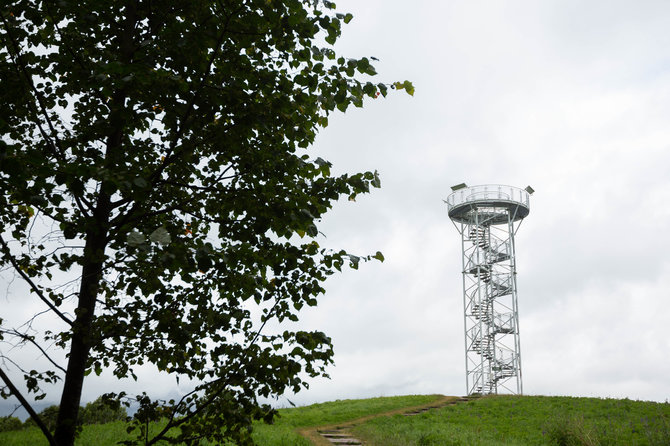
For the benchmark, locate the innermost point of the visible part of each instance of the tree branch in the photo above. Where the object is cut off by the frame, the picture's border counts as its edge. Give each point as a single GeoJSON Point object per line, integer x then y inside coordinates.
{"type": "Point", "coordinates": [172, 423]}
{"type": "Point", "coordinates": [33, 285]}
{"type": "Point", "coordinates": [194, 187]}
{"type": "Point", "coordinates": [28, 79]}
{"type": "Point", "coordinates": [30, 339]}
{"type": "Point", "coordinates": [75, 55]}
{"type": "Point", "coordinates": [129, 218]}
{"type": "Point", "coordinates": [170, 158]}
{"type": "Point", "coordinates": [28, 407]}
{"type": "Point", "coordinates": [55, 147]}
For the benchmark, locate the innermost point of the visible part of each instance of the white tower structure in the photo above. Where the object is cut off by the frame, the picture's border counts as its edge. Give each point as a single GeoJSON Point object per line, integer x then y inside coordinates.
{"type": "Point", "coordinates": [487, 217]}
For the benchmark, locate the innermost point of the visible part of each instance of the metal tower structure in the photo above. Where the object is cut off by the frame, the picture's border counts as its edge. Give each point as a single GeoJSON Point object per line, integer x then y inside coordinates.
{"type": "Point", "coordinates": [487, 217]}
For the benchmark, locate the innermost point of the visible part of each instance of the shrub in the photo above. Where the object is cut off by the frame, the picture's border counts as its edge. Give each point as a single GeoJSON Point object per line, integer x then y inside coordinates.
{"type": "Point", "coordinates": [571, 431]}
{"type": "Point", "coordinates": [10, 424]}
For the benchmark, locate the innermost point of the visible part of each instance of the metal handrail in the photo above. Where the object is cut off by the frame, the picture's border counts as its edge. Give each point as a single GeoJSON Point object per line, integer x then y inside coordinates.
{"type": "Point", "coordinates": [488, 192]}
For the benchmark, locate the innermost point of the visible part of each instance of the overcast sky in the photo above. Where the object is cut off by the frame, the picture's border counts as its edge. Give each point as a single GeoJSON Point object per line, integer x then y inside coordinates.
{"type": "Point", "coordinates": [570, 97]}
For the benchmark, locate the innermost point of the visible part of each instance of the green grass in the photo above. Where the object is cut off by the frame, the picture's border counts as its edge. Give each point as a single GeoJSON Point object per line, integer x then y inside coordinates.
{"type": "Point", "coordinates": [95, 434]}
{"type": "Point", "coordinates": [281, 433]}
{"type": "Point", "coordinates": [514, 420]}
{"type": "Point", "coordinates": [494, 420]}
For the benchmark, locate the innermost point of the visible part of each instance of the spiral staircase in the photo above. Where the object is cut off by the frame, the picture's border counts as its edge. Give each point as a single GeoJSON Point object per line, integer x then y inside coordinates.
{"type": "Point", "coordinates": [493, 282]}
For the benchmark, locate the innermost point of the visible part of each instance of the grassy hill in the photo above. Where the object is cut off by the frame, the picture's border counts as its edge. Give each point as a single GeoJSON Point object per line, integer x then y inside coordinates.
{"type": "Point", "coordinates": [527, 420]}
{"type": "Point", "coordinates": [492, 420]}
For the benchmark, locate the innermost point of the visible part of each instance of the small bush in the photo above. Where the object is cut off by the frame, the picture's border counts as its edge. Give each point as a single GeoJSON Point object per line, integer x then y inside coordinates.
{"type": "Point", "coordinates": [10, 424]}
{"type": "Point", "coordinates": [571, 431]}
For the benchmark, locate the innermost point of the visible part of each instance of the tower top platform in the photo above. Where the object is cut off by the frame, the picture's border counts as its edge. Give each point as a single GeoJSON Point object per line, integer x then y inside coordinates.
{"type": "Point", "coordinates": [493, 203]}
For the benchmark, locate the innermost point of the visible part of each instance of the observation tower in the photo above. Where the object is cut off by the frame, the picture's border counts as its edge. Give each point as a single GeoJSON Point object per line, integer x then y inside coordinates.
{"type": "Point", "coordinates": [487, 217]}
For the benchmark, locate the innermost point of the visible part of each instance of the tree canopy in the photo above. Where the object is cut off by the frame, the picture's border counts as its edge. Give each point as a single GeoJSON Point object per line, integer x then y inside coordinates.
{"type": "Point", "coordinates": [159, 199]}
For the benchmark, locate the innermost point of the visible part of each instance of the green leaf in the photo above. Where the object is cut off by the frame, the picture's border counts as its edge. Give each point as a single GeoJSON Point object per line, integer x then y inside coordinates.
{"type": "Point", "coordinates": [312, 231]}
{"type": "Point", "coordinates": [69, 231]}
{"type": "Point", "coordinates": [135, 238]}
{"type": "Point", "coordinates": [409, 88]}
{"type": "Point", "coordinates": [204, 259]}
{"type": "Point", "coordinates": [140, 182]}
{"type": "Point", "coordinates": [160, 236]}
{"type": "Point", "coordinates": [376, 181]}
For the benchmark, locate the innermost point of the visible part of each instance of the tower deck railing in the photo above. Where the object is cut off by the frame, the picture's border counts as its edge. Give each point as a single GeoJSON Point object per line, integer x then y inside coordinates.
{"type": "Point", "coordinates": [488, 192]}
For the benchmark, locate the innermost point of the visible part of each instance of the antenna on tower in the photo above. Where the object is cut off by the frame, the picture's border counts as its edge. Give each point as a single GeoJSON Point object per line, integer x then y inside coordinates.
{"type": "Point", "coordinates": [486, 217]}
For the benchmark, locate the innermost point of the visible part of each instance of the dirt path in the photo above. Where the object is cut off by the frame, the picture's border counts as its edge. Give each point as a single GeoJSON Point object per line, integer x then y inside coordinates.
{"type": "Point", "coordinates": [339, 434]}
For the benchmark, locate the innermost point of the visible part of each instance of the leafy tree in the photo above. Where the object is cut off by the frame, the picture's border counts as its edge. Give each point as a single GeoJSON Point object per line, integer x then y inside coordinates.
{"type": "Point", "coordinates": [156, 152]}
{"type": "Point", "coordinates": [48, 416]}
{"type": "Point", "coordinates": [9, 423]}
{"type": "Point", "coordinates": [103, 410]}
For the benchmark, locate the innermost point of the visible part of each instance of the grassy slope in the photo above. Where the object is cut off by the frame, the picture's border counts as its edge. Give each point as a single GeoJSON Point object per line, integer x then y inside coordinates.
{"type": "Point", "coordinates": [282, 433]}
{"type": "Point", "coordinates": [513, 420]}
{"type": "Point", "coordinates": [503, 420]}
{"type": "Point", "coordinates": [98, 434]}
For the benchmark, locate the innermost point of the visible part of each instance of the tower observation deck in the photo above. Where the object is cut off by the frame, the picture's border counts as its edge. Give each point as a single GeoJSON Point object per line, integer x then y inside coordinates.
{"type": "Point", "coordinates": [487, 217]}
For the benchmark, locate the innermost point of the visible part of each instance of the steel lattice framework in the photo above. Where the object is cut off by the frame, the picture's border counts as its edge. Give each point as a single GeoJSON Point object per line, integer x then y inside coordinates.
{"type": "Point", "coordinates": [487, 217]}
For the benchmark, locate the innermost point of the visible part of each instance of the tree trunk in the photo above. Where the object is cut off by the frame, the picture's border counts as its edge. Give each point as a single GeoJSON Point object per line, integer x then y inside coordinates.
{"type": "Point", "coordinates": [94, 255]}
{"type": "Point", "coordinates": [80, 343]}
